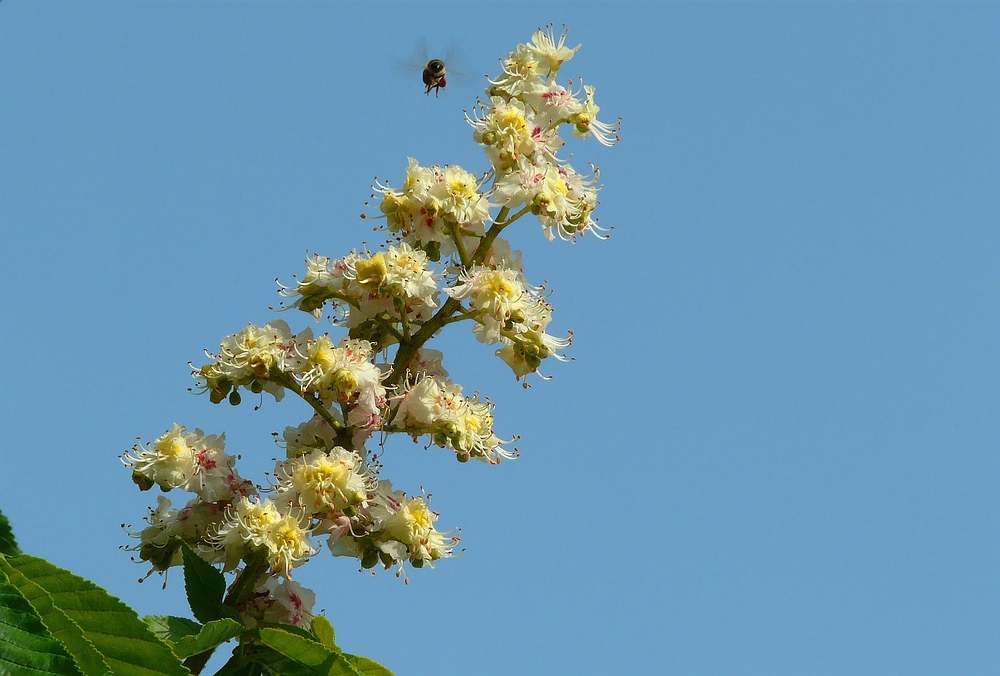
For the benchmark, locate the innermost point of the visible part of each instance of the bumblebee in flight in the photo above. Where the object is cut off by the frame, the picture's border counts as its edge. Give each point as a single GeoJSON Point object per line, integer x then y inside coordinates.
{"type": "Point", "coordinates": [434, 76]}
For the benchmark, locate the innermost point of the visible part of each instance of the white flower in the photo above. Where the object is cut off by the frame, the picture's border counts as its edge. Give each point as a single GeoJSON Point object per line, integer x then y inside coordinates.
{"type": "Point", "coordinates": [552, 102]}
{"type": "Point", "coordinates": [563, 200]}
{"type": "Point", "coordinates": [427, 402]}
{"type": "Point", "coordinates": [259, 524]}
{"type": "Point", "coordinates": [169, 462]}
{"type": "Point", "coordinates": [285, 601]}
{"type": "Point", "coordinates": [551, 53]}
{"type": "Point", "coordinates": [501, 255]}
{"type": "Point", "coordinates": [585, 122]}
{"type": "Point", "coordinates": [496, 298]}
{"type": "Point", "coordinates": [192, 461]}
{"type": "Point", "coordinates": [251, 359]}
{"type": "Point", "coordinates": [400, 271]}
{"type": "Point", "coordinates": [434, 202]}
{"type": "Point", "coordinates": [288, 544]}
{"type": "Point", "coordinates": [437, 407]}
{"type": "Point", "coordinates": [410, 522]}
{"type": "Point", "coordinates": [521, 70]}
{"type": "Point", "coordinates": [509, 310]}
{"type": "Point", "coordinates": [159, 542]}
{"type": "Point", "coordinates": [428, 362]}
{"type": "Point", "coordinates": [315, 433]}
{"type": "Point", "coordinates": [322, 482]}
{"type": "Point", "coordinates": [511, 134]}
{"type": "Point", "coordinates": [457, 194]}
{"type": "Point", "coordinates": [365, 414]}
{"type": "Point", "coordinates": [340, 370]}
{"type": "Point", "coordinates": [324, 280]}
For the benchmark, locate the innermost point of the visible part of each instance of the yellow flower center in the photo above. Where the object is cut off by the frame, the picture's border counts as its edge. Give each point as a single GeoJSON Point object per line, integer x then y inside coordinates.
{"type": "Point", "coordinates": [175, 447]}
{"type": "Point", "coordinates": [372, 270]}
{"type": "Point", "coordinates": [497, 285]}
{"type": "Point", "coordinates": [418, 516]}
{"type": "Point", "coordinates": [323, 354]}
{"type": "Point", "coordinates": [461, 189]}
{"type": "Point", "coordinates": [511, 118]}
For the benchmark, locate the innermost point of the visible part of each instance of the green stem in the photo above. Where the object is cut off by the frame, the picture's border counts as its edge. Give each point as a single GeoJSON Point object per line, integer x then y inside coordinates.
{"type": "Point", "coordinates": [443, 316]}
{"type": "Point", "coordinates": [288, 382]}
{"type": "Point", "coordinates": [343, 297]}
{"type": "Point", "coordinates": [498, 226]}
{"type": "Point", "coordinates": [389, 327]}
{"type": "Point", "coordinates": [255, 565]}
{"type": "Point", "coordinates": [406, 350]}
{"type": "Point", "coordinates": [463, 255]}
{"type": "Point", "coordinates": [404, 320]}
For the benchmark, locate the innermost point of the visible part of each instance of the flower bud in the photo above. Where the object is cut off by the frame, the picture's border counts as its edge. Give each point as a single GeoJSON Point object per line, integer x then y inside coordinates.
{"type": "Point", "coordinates": [142, 481]}
{"type": "Point", "coordinates": [432, 206]}
{"type": "Point", "coordinates": [160, 557]}
{"type": "Point", "coordinates": [581, 121]}
{"type": "Point", "coordinates": [369, 558]}
{"type": "Point", "coordinates": [390, 204]}
{"type": "Point", "coordinates": [433, 251]}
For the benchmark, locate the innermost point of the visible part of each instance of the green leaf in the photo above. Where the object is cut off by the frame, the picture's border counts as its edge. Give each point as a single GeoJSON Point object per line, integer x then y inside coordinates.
{"type": "Point", "coordinates": [172, 628]}
{"type": "Point", "coordinates": [63, 629]}
{"type": "Point", "coordinates": [275, 664]}
{"type": "Point", "coordinates": [213, 634]}
{"type": "Point", "coordinates": [8, 546]}
{"type": "Point", "coordinates": [127, 644]}
{"type": "Point", "coordinates": [205, 587]}
{"type": "Point", "coordinates": [238, 666]}
{"type": "Point", "coordinates": [323, 630]}
{"type": "Point", "coordinates": [367, 667]}
{"type": "Point", "coordinates": [291, 628]}
{"type": "Point", "coordinates": [307, 657]}
{"type": "Point", "coordinates": [26, 646]}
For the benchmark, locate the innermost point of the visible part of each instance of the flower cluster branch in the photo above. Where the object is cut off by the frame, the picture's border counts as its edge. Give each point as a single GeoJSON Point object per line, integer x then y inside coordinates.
{"type": "Point", "coordinates": [445, 261]}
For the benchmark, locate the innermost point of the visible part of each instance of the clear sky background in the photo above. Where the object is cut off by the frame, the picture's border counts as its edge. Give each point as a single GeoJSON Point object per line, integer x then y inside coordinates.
{"type": "Point", "coordinates": [777, 449]}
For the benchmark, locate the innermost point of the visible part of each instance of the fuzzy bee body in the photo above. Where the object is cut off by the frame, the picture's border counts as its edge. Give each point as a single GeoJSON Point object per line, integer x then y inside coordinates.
{"type": "Point", "coordinates": [434, 76]}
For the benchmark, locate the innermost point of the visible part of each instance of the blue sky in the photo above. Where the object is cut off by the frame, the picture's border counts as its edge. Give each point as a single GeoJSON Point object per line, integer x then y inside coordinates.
{"type": "Point", "coordinates": [776, 451]}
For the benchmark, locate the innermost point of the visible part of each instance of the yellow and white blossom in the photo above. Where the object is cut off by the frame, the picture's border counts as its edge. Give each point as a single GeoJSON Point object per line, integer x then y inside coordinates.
{"type": "Point", "coordinates": [381, 378]}
{"type": "Point", "coordinates": [253, 524]}
{"type": "Point", "coordinates": [550, 52]}
{"type": "Point", "coordinates": [315, 433]}
{"type": "Point", "coordinates": [511, 134]}
{"type": "Point", "coordinates": [191, 461]}
{"type": "Point", "coordinates": [563, 200]}
{"type": "Point", "coordinates": [436, 205]}
{"type": "Point", "coordinates": [338, 370]}
{"type": "Point", "coordinates": [255, 358]}
{"type": "Point", "coordinates": [437, 407]}
{"type": "Point", "coordinates": [399, 528]}
{"type": "Point", "coordinates": [159, 543]}
{"type": "Point", "coordinates": [283, 601]}
{"type": "Point", "coordinates": [322, 482]}
{"type": "Point", "coordinates": [325, 280]}
{"type": "Point", "coordinates": [585, 122]}
{"type": "Point", "coordinates": [521, 71]}
{"type": "Point", "coordinates": [400, 271]}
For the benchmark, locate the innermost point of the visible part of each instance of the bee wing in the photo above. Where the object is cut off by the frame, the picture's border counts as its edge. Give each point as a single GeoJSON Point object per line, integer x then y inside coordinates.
{"type": "Point", "coordinates": [455, 64]}
{"type": "Point", "coordinates": [416, 62]}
